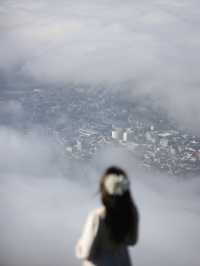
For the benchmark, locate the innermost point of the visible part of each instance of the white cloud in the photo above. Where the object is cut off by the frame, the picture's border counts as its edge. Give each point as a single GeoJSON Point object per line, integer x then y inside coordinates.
{"type": "Point", "coordinates": [154, 45]}
{"type": "Point", "coordinates": [41, 217]}
{"type": "Point", "coordinates": [23, 153]}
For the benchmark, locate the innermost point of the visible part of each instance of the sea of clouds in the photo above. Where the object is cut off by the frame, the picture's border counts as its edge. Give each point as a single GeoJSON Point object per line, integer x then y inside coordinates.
{"type": "Point", "coordinates": [152, 45]}
{"type": "Point", "coordinates": [43, 208]}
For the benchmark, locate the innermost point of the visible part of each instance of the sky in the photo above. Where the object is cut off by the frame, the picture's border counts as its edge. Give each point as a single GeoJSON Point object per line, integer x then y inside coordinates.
{"type": "Point", "coordinates": [151, 45]}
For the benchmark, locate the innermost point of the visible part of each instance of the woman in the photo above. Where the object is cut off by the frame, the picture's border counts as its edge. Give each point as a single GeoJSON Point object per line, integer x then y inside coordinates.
{"type": "Point", "coordinates": [109, 230]}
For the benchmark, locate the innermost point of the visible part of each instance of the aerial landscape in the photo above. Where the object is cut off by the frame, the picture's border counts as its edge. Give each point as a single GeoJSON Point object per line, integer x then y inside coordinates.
{"type": "Point", "coordinates": [88, 85]}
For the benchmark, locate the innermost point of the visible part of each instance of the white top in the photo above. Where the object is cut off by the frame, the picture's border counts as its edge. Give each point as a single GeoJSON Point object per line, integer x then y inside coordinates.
{"type": "Point", "coordinates": [96, 248]}
{"type": "Point", "coordinates": [84, 245]}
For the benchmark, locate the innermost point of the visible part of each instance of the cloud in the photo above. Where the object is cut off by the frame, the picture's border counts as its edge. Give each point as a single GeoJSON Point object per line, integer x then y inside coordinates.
{"type": "Point", "coordinates": [41, 218]}
{"type": "Point", "coordinates": [39, 203]}
{"type": "Point", "coordinates": [154, 46]}
{"type": "Point", "coordinates": [21, 154]}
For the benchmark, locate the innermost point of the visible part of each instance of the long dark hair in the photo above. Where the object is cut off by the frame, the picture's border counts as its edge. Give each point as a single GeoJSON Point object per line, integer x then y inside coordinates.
{"type": "Point", "coordinates": [121, 211]}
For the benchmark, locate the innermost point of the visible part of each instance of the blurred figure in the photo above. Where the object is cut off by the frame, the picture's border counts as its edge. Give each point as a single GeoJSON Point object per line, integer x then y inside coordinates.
{"type": "Point", "coordinates": [110, 229]}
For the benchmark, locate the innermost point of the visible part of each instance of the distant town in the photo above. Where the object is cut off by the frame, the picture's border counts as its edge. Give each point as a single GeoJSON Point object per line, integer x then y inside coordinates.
{"type": "Point", "coordinates": [84, 120]}
{"type": "Point", "coordinates": [170, 151]}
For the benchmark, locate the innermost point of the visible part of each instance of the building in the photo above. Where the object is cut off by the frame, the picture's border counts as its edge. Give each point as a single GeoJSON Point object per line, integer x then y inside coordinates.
{"type": "Point", "coordinates": [118, 133]}
{"type": "Point", "coordinates": [122, 134]}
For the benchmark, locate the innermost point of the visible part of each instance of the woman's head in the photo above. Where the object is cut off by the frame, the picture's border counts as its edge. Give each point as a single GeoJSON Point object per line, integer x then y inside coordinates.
{"type": "Point", "coordinates": [115, 182]}
{"type": "Point", "coordinates": [114, 186]}
{"type": "Point", "coordinates": [116, 197]}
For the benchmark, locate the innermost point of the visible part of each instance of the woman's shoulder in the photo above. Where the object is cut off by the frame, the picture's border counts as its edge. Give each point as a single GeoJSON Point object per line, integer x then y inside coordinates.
{"type": "Point", "coordinates": [97, 213]}
{"type": "Point", "coordinates": [93, 222]}
{"type": "Point", "coordinates": [90, 233]}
